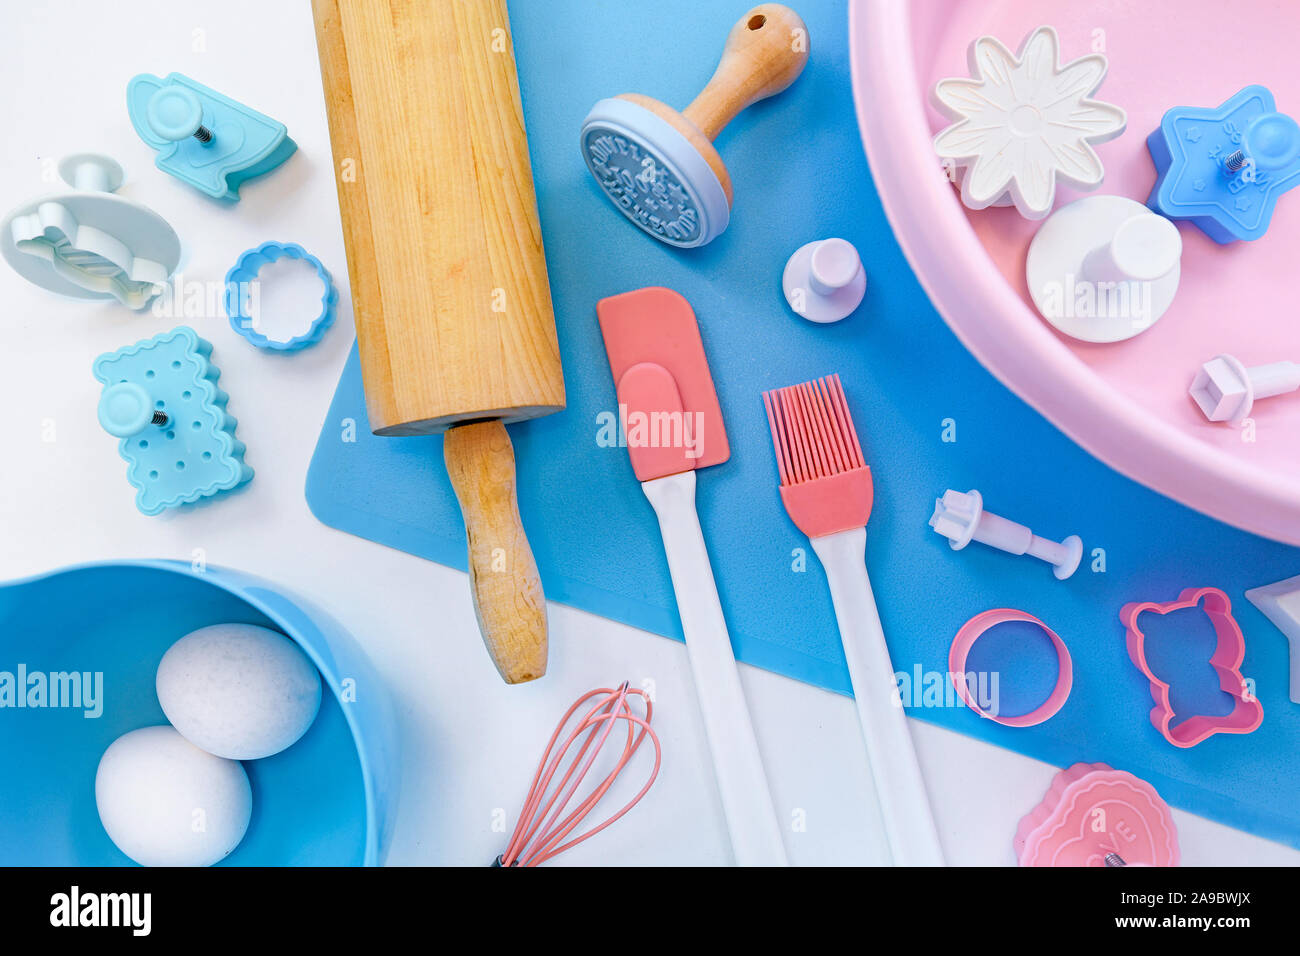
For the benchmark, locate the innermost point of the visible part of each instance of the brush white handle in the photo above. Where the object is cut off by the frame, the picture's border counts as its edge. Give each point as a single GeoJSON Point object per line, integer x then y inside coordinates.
{"type": "Point", "coordinates": [746, 801]}
{"type": "Point", "coordinates": [900, 788]}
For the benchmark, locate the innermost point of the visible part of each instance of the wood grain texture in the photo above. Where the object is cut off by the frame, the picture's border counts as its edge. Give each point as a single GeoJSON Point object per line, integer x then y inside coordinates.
{"type": "Point", "coordinates": [448, 276]}
{"type": "Point", "coordinates": [765, 52]}
{"type": "Point", "coordinates": [507, 591]}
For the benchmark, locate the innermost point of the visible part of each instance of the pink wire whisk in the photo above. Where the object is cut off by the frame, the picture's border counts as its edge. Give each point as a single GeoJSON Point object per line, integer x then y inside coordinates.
{"type": "Point", "coordinates": [540, 831]}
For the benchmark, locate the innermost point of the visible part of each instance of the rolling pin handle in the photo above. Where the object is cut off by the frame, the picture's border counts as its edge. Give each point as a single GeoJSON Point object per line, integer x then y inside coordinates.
{"type": "Point", "coordinates": [507, 590]}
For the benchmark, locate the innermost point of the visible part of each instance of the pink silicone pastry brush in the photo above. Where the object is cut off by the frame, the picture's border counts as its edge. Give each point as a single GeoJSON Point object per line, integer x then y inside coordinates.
{"type": "Point", "coordinates": [827, 491]}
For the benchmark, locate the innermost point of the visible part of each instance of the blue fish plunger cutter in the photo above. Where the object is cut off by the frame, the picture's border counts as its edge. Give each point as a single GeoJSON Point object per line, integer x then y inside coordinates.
{"type": "Point", "coordinates": [203, 138]}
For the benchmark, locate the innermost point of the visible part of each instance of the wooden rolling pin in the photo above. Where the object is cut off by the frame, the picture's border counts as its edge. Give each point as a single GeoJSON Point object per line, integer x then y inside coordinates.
{"type": "Point", "coordinates": [453, 311]}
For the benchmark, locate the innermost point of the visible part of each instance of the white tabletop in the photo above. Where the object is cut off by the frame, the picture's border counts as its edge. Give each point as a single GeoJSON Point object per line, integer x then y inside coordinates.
{"type": "Point", "coordinates": [469, 742]}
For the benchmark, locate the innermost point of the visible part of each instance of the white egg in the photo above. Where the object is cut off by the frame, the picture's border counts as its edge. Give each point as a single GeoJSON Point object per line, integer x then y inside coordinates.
{"type": "Point", "coordinates": [165, 802]}
{"type": "Point", "coordinates": [238, 690]}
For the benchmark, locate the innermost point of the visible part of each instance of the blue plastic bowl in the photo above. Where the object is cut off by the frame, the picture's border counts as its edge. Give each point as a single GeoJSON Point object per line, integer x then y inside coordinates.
{"type": "Point", "coordinates": [329, 800]}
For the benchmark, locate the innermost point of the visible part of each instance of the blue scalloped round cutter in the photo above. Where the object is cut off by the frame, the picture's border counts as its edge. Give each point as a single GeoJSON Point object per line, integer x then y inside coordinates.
{"type": "Point", "coordinates": [203, 138]}
{"type": "Point", "coordinates": [161, 400]}
{"type": "Point", "coordinates": [240, 285]}
{"type": "Point", "coordinates": [1225, 167]}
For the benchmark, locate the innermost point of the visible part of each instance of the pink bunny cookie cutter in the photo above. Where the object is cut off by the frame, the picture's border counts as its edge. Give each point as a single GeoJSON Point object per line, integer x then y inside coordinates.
{"type": "Point", "coordinates": [1094, 815]}
{"type": "Point", "coordinates": [1229, 650]}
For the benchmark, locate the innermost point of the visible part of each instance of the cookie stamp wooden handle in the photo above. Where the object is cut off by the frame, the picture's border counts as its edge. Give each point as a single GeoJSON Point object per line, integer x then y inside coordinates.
{"type": "Point", "coordinates": [765, 52]}
{"type": "Point", "coordinates": [503, 575]}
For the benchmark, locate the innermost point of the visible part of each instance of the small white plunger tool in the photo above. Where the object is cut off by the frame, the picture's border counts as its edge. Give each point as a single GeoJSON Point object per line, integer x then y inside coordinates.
{"type": "Point", "coordinates": [1225, 390]}
{"type": "Point", "coordinates": [961, 517]}
{"type": "Point", "coordinates": [824, 281]}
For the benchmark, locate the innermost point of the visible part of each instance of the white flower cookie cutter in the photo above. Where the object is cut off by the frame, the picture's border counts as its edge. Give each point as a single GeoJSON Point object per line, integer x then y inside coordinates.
{"type": "Point", "coordinates": [1023, 123]}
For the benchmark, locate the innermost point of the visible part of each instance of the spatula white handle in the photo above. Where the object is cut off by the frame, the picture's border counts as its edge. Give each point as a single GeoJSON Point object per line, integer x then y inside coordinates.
{"type": "Point", "coordinates": [746, 801]}
{"type": "Point", "coordinates": [909, 823]}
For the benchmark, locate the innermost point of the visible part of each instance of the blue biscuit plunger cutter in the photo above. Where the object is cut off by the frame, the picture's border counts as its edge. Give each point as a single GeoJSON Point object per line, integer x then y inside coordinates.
{"type": "Point", "coordinates": [162, 401]}
{"type": "Point", "coordinates": [1224, 167]}
{"type": "Point", "coordinates": [203, 138]}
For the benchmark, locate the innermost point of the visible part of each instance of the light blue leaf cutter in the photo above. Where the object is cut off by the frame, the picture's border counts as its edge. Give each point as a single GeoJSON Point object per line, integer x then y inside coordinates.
{"type": "Point", "coordinates": [240, 283]}
{"type": "Point", "coordinates": [203, 138]}
{"type": "Point", "coordinates": [161, 400]}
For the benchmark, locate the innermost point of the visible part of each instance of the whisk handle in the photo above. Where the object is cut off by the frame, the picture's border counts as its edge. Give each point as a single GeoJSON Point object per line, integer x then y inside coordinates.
{"type": "Point", "coordinates": [738, 766]}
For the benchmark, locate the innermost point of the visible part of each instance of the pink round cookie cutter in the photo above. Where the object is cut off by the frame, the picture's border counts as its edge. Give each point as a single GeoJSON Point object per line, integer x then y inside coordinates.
{"type": "Point", "coordinates": [1126, 403]}
{"type": "Point", "coordinates": [976, 628]}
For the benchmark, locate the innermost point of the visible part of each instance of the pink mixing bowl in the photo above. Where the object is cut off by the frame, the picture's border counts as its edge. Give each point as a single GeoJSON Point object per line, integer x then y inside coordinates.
{"type": "Point", "coordinates": [1126, 403]}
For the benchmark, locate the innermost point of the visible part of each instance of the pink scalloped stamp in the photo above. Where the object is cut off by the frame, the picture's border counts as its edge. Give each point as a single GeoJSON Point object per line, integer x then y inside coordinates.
{"type": "Point", "coordinates": [1229, 650]}
{"type": "Point", "coordinates": [1092, 811]}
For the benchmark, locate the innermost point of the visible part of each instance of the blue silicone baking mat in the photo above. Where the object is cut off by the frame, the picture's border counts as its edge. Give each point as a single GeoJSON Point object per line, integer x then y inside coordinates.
{"type": "Point", "coordinates": [929, 416]}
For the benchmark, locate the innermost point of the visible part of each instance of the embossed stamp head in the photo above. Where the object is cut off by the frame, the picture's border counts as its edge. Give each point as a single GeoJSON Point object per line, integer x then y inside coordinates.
{"type": "Point", "coordinates": [659, 166]}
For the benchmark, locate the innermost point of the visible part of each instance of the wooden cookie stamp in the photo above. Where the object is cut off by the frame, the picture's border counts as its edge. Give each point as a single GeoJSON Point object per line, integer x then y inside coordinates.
{"type": "Point", "coordinates": [659, 166]}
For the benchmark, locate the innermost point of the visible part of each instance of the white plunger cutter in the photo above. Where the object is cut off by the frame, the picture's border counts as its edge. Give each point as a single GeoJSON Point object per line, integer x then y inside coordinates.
{"type": "Point", "coordinates": [960, 517]}
{"type": "Point", "coordinates": [1104, 268]}
{"type": "Point", "coordinates": [1225, 390]}
{"type": "Point", "coordinates": [824, 281]}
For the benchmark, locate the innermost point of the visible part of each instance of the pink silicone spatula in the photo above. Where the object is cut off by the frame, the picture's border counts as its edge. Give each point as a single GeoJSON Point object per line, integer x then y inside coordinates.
{"type": "Point", "coordinates": [674, 426]}
{"type": "Point", "coordinates": [827, 491]}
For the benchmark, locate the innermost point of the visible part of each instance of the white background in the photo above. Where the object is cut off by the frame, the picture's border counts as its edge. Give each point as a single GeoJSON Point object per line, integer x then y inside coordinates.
{"type": "Point", "coordinates": [469, 742]}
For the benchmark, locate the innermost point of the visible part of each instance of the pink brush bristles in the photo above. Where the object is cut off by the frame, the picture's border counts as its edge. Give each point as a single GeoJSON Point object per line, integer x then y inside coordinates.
{"type": "Point", "coordinates": [536, 835]}
{"type": "Point", "coordinates": [812, 431]}
{"type": "Point", "coordinates": [825, 482]}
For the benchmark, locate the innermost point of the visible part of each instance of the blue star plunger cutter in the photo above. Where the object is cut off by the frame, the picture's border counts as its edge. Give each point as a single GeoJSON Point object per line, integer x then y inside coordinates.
{"type": "Point", "coordinates": [161, 400]}
{"type": "Point", "coordinates": [239, 288]}
{"type": "Point", "coordinates": [203, 138]}
{"type": "Point", "coordinates": [1224, 167]}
